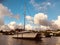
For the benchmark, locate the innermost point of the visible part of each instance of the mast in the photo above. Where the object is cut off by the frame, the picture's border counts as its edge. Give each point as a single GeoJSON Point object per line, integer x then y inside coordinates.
{"type": "Point", "coordinates": [24, 12]}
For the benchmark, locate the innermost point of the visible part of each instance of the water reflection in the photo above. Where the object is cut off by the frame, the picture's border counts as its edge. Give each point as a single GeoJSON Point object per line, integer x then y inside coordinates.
{"type": "Point", "coordinates": [58, 41]}
{"type": "Point", "coordinates": [8, 40]}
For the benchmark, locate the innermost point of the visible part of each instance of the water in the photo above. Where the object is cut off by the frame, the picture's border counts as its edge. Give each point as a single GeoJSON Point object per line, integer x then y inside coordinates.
{"type": "Point", "coordinates": [8, 40]}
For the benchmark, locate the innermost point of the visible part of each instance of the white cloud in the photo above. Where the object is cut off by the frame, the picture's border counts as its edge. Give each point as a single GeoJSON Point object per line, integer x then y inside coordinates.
{"type": "Point", "coordinates": [12, 25]}
{"type": "Point", "coordinates": [14, 16]}
{"type": "Point", "coordinates": [20, 26]}
{"type": "Point", "coordinates": [4, 11]}
{"type": "Point", "coordinates": [41, 24]}
{"type": "Point", "coordinates": [5, 28]}
{"type": "Point", "coordinates": [40, 18]}
{"type": "Point", "coordinates": [43, 20]}
{"type": "Point", "coordinates": [28, 18]}
{"type": "Point", "coordinates": [36, 27]}
{"type": "Point", "coordinates": [44, 27]}
{"type": "Point", "coordinates": [53, 26]}
{"type": "Point", "coordinates": [41, 6]}
{"type": "Point", "coordinates": [28, 27]}
{"type": "Point", "coordinates": [57, 22]}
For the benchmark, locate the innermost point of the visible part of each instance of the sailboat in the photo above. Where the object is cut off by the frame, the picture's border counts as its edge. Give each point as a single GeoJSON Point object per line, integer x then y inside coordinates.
{"type": "Point", "coordinates": [26, 34]}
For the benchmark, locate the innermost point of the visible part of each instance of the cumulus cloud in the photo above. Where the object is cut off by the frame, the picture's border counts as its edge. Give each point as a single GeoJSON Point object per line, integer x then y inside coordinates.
{"type": "Point", "coordinates": [42, 23]}
{"type": "Point", "coordinates": [20, 26]}
{"type": "Point", "coordinates": [57, 22]}
{"type": "Point", "coordinates": [41, 6]}
{"type": "Point", "coordinates": [5, 28]}
{"type": "Point", "coordinates": [44, 27]}
{"type": "Point", "coordinates": [53, 26]}
{"type": "Point", "coordinates": [4, 11]}
{"type": "Point", "coordinates": [28, 27]}
{"type": "Point", "coordinates": [40, 18]}
{"type": "Point", "coordinates": [28, 17]}
{"type": "Point", "coordinates": [12, 25]}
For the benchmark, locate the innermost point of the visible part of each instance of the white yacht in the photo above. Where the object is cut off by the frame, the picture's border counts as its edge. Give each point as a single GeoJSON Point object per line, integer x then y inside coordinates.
{"type": "Point", "coordinates": [26, 35]}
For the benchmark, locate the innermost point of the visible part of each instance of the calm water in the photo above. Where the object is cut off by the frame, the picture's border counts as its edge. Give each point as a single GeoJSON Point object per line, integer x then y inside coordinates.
{"type": "Point", "coordinates": [8, 40]}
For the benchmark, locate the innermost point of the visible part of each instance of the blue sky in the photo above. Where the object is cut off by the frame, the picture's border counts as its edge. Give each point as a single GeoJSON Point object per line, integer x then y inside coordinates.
{"type": "Point", "coordinates": [17, 7]}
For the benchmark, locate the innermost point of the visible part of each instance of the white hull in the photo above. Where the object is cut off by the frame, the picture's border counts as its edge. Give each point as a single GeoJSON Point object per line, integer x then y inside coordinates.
{"type": "Point", "coordinates": [25, 35]}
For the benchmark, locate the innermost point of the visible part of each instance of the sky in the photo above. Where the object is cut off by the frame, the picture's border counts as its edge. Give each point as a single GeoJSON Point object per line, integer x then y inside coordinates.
{"type": "Point", "coordinates": [47, 9]}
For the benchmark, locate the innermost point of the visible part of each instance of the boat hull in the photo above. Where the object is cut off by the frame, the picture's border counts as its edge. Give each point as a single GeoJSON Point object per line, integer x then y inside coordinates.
{"type": "Point", "coordinates": [30, 35]}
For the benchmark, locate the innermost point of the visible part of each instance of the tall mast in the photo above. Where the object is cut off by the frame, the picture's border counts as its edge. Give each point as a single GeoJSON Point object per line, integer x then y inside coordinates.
{"type": "Point", "coordinates": [24, 12]}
